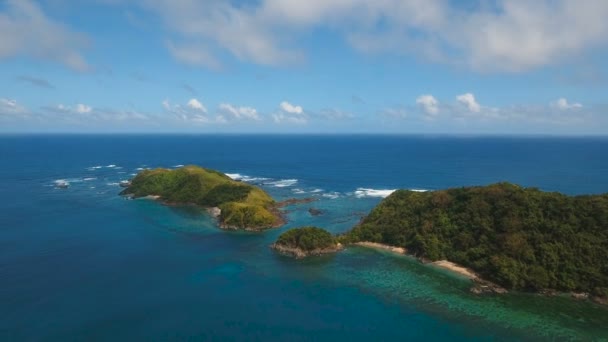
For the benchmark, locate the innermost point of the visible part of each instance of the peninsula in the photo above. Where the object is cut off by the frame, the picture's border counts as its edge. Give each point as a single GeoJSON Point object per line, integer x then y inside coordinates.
{"type": "Point", "coordinates": [236, 205]}
{"type": "Point", "coordinates": [520, 238]}
{"type": "Point", "coordinates": [306, 241]}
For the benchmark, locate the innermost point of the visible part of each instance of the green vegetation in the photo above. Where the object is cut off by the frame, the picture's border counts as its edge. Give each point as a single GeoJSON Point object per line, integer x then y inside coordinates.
{"type": "Point", "coordinates": [242, 205]}
{"type": "Point", "coordinates": [521, 238]}
{"type": "Point", "coordinates": [307, 239]}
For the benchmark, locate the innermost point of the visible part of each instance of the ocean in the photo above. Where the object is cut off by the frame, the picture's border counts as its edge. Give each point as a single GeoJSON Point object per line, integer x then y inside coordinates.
{"type": "Point", "coordinates": [83, 263]}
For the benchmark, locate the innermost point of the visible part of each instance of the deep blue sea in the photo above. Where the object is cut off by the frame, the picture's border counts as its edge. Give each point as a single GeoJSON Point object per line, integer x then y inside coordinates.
{"type": "Point", "coordinates": [83, 263]}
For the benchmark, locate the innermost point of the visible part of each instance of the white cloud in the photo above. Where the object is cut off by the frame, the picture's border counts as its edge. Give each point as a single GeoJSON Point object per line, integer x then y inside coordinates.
{"type": "Point", "coordinates": [11, 107]}
{"type": "Point", "coordinates": [562, 104]}
{"type": "Point", "coordinates": [227, 112]}
{"type": "Point", "coordinates": [289, 113]}
{"type": "Point", "coordinates": [289, 108]}
{"type": "Point", "coordinates": [429, 104]}
{"type": "Point", "coordinates": [469, 101]}
{"type": "Point", "coordinates": [502, 35]}
{"type": "Point", "coordinates": [196, 105]}
{"type": "Point", "coordinates": [83, 109]}
{"type": "Point", "coordinates": [25, 30]}
{"type": "Point", "coordinates": [193, 111]}
{"type": "Point", "coordinates": [77, 109]}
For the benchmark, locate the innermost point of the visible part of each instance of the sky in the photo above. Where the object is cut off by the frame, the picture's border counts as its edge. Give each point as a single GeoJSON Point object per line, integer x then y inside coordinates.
{"type": "Point", "coordinates": [294, 66]}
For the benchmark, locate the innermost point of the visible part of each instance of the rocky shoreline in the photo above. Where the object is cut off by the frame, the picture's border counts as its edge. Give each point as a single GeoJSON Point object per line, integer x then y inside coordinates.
{"type": "Point", "coordinates": [299, 253]}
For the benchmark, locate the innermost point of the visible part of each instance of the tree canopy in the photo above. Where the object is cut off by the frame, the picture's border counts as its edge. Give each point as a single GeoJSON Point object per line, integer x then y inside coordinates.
{"type": "Point", "coordinates": [242, 205]}
{"type": "Point", "coordinates": [521, 238]}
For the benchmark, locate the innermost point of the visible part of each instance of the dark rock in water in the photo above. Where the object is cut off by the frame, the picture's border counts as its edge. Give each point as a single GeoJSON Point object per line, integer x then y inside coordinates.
{"type": "Point", "coordinates": [315, 212]}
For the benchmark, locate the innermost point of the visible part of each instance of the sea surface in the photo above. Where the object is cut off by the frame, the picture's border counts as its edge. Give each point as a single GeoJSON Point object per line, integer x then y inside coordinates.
{"type": "Point", "coordinates": [83, 263]}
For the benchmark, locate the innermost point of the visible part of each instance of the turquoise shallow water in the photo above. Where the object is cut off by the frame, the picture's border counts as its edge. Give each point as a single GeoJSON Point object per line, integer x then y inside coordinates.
{"type": "Point", "coordinates": [86, 264]}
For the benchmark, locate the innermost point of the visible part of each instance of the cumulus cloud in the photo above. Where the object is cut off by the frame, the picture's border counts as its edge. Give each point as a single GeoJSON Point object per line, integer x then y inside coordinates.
{"type": "Point", "coordinates": [563, 104]}
{"type": "Point", "coordinates": [289, 108]}
{"type": "Point", "coordinates": [509, 35]}
{"type": "Point", "coordinates": [429, 104]}
{"type": "Point", "coordinates": [228, 112]}
{"type": "Point", "coordinates": [25, 30]}
{"type": "Point", "coordinates": [196, 105]}
{"type": "Point", "coordinates": [289, 113]}
{"type": "Point", "coordinates": [468, 100]}
{"type": "Point", "coordinates": [193, 111]}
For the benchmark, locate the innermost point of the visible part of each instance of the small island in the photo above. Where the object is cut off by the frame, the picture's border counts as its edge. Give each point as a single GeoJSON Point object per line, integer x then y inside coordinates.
{"type": "Point", "coordinates": [236, 205]}
{"type": "Point", "coordinates": [519, 238]}
{"type": "Point", "coordinates": [306, 241]}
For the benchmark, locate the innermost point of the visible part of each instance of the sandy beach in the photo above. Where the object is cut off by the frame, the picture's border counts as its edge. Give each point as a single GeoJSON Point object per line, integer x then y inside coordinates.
{"type": "Point", "coordinates": [445, 264]}
{"type": "Point", "coordinates": [448, 265]}
{"type": "Point", "coordinates": [397, 250]}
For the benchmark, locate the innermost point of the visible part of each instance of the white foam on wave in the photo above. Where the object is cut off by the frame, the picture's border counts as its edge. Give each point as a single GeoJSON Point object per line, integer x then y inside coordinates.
{"type": "Point", "coordinates": [316, 191]}
{"type": "Point", "coordinates": [418, 190]}
{"type": "Point", "coordinates": [298, 191]}
{"type": "Point", "coordinates": [113, 184]}
{"type": "Point", "coordinates": [140, 169]}
{"type": "Point", "coordinates": [235, 176]}
{"type": "Point", "coordinates": [93, 168]}
{"type": "Point", "coordinates": [282, 183]}
{"type": "Point", "coordinates": [178, 165]}
{"type": "Point", "coordinates": [89, 178]}
{"type": "Point", "coordinates": [331, 195]}
{"type": "Point", "coordinates": [367, 192]}
{"type": "Point", "coordinates": [245, 178]}
{"type": "Point", "coordinates": [111, 166]}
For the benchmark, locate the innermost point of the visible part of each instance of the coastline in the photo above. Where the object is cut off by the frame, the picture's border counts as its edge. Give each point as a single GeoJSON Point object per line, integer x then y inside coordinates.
{"type": "Point", "coordinates": [455, 268]}
{"type": "Point", "coordinates": [299, 253]}
{"type": "Point", "coordinates": [216, 213]}
{"type": "Point", "coordinates": [380, 246]}
{"type": "Point", "coordinates": [480, 285]}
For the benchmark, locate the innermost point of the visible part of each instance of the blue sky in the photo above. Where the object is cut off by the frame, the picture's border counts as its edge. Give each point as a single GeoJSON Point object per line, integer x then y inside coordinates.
{"type": "Point", "coordinates": [291, 66]}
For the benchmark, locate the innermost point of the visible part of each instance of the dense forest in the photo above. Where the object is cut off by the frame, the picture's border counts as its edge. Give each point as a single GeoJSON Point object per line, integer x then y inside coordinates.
{"type": "Point", "coordinates": [307, 239]}
{"type": "Point", "coordinates": [242, 205]}
{"type": "Point", "coordinates": [521, 238]}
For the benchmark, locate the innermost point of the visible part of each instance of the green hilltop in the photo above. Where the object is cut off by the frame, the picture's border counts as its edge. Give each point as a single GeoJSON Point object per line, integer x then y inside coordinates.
{"type": "Point", "coordinates": [520, 238]}
{"type": "Point", "coordinates": [306, 241]}
{"type": "Point", "coordinates": [243, 206]}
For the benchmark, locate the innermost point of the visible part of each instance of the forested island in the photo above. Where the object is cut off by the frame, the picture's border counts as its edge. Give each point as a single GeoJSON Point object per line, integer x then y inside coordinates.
{"type": "Point", "coordinates": [306, 241]}
{"type": "Point", "coordinates": [520, 238]}
{"type": "Point", "coordinates": [237, 205]}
